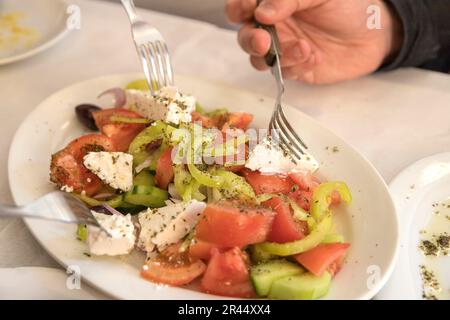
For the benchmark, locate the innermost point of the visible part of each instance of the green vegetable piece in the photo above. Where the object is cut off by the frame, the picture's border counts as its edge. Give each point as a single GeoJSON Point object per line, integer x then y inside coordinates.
{"type": "Point", "coordinates": [205, 178]}
{"type": "Point", "coordinates": [149, 196]}
{"type": "Point", "coordinates": [264, 274]}
{"type": "Point", "coordinates": [144, 178]}
{"type": "Point", "coordinates": [234, 186]}
{"type": "Point", "coordinates": [315, 237]}
{"type": "Point", "coordinates": [120, 119]}
{"type": "Point", "coordinates": [199, 108]}
{"type": "Point", "coordinates": [159, 130]}
{"type": "Point", "coordinates": [126, 208]}
{"type": "Point", "coordinates": [300, 287]}
{"type": "Point", "coordinates": [91, 202]}
{"type": "Point", "coordinates": [258, 255]}
{"type": "Point", "coordinates": [82, 232]}
{"type": "Point", "coordinates": [333, 238]}
{"type": "Point", "coordinates": [217, 112]}
{"type": "Point", "coordinates": [320, 204]}
{"type": "Point", "coordinates": [140, 84]}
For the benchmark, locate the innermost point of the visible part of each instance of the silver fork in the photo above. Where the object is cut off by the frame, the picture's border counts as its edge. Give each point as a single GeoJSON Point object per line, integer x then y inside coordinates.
{"type": "Point", "coordinates": [152, 50]}
{"type": "Point", "coordinates": [54, 206]}
{"type": "Point", "coordinates": [279, 127]}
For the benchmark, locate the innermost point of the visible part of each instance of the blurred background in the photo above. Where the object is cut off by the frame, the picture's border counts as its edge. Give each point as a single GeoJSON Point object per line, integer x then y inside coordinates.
{"type": "Point", "coordinates": [206, 10]}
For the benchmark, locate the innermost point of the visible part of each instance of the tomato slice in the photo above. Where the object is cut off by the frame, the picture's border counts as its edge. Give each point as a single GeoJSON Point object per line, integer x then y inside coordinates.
{"type": "Point", "coordinates": [232, 225]}
{"type": "Point", "coordinates": [240, 120]}
{"type": "Point", "coordinates": [284, 227]}
{"type": "Point", "coordinates": [262, 183]}
{"type": "Point", "coordinates": [327, 256]}
{"type": "Point", "coordinates": [302, 198]}
{"type": "Point", "coordinates": [305, 181]}
{"type": "Point", "coordinates": [200, 249]}
{"type": "Point", "coordinates": [227, 274]}
{"type": "Point", "coordinates": [67, 168]}
{"type": "Point", "coordinates": [164, 169]}
{"type": "Point", "coordinates": [205, 121]}
{"type": "Point", "coordinates": [173, 267]}
{"type": "Point", "coordinates": [121, 133]}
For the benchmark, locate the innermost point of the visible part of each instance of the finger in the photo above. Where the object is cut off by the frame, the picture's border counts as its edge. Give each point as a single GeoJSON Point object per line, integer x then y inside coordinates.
{"type": "Point", "coordinates": [295, 52]}
{"type": "Point", "coordinates": [254, 41]}
{"type": "Point", "coordinates": [302, 72]}
{"type": "Point", "coordinates": [258, 63]}
{"type": "Point", "coordinates": [239, 11]}
{"type": "Point", "coordinates": [273, 11]}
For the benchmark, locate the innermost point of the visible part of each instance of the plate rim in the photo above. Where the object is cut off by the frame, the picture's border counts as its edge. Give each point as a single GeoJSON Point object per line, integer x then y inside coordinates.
{"type": "Point", "coordinates": [369, 294]}
{"type": "Point", "coordinates": [43, 47]}
{"type": "Point", "coordinates": [394, 185]}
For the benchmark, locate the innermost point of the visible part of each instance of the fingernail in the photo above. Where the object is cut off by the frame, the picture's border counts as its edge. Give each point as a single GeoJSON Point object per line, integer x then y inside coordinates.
{"type": "Point", "coordinates": [296, 52]}
{"type": "Point", "coordinates": [267, 9]}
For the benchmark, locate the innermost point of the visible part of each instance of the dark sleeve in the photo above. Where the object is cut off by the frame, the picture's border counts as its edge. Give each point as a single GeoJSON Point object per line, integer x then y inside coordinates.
{"type": "Point", "coordinates": [426, 34]}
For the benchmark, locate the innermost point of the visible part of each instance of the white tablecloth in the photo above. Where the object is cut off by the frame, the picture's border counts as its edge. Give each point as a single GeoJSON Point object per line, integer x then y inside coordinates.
{"type": "Point", "coordinates": [393, 118]}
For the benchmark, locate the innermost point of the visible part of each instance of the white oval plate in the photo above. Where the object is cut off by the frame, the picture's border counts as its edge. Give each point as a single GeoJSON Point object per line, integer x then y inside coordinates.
{"type": "Point", "coordinates": [46, 17]}
{"type": "Point", "coordinates": [414, 191]}
{"type": "Point", "coordinates": [369, 223]}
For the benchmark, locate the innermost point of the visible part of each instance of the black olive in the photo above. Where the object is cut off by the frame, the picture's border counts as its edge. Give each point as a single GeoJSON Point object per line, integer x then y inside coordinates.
{"type": "Point", "coordinates": [84, 115]}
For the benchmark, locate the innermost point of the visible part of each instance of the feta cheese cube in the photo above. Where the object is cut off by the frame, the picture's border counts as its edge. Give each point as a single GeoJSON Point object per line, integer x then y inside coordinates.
{"type": "Point", "coordinates": [168, 105]}
{"type": "Point", "coordinates": [268, 158]}
{"type": "Point", "coordinates": [114, 168]}
{"type": "Point", "coordinates": [167, 225]}
{"type": "Point", "coordinates": [122, 238]}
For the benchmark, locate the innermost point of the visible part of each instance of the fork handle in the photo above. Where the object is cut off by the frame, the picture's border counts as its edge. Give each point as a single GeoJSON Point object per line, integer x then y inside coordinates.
{"type": "Point", "coordinates": [271, 56]}
{"type": "Point", "coordinates": [36, 213]}
{"type": "Point", "coordinates": [21, 212]}
{"type": "Point", "coordinates": [130, 9]}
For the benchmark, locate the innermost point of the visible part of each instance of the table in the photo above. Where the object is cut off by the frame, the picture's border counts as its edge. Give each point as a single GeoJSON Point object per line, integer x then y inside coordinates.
{"type": "Point", "coordinates": [392, 118]}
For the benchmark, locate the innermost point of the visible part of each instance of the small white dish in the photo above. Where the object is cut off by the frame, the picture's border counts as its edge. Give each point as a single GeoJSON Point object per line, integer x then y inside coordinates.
{"type": "Point", "coordinates": [26, 283]}
{"type": "Point", "coordinates": [369, 223]}
{"type": "Point", "coordinates": [45, 20]}
{"type": "Point", "coordinates": [414, 191]}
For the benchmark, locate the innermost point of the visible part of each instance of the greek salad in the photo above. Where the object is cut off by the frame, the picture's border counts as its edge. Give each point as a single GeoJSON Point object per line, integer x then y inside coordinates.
{"type": "Point", "coordinates": [208, 199]}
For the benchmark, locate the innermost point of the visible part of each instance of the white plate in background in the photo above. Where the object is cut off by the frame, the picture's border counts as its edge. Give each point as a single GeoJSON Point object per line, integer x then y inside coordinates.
{"type": "Point", "coordinates": [45, 18]}
{"type": "Point", "coordinates": [414, 191]}
{"type": "Point", "coordinates": [369, 223]}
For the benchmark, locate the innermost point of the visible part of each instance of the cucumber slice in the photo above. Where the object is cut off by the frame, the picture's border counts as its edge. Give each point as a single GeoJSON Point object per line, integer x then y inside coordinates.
{"type": "Point", "coordinates": [301, 287]}
{"type": "Point", "coordinates": [264, 274]}
{"type": "Point", "coordinates": [148, 196]}
{"type": "Point", "coordinates": [126, 208]}
{"type": "Point", "coordinates": [144, 178]}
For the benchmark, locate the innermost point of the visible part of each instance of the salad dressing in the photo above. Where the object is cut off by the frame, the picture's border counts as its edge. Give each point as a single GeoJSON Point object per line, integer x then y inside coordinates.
{"type": "Point", "coordinates": [435, 247]}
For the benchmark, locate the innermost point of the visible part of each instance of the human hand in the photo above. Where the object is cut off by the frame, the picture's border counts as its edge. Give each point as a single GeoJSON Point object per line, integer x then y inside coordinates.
{"type": "Point", "coordinates": [322, 41]}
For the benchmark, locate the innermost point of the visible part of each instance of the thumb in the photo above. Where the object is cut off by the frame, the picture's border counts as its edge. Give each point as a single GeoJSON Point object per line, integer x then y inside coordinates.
{"type": "Point", "coordinates": [274, 11]}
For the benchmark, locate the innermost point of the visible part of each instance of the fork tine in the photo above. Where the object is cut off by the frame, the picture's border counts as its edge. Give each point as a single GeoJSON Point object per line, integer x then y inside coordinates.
{"type": "Point", "coordinates": [167, 66]}
{"type": "Point", "coordinates": [286, 144]}
{"type": "Point", "coordinates": [156, 50]}
{"type": "Point", "coordinates": [148, 64]}
{"type": "Point", "coordinates": [292, 144]}
{"type": "Point", "coordinates": [290, 129]}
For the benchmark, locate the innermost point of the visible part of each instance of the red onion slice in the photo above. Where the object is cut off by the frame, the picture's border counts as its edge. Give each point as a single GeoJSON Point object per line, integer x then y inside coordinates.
{"type": "Point", "coordinates": [104, 195]}
{"type": "Point", "coordinates": [119, 95]}
{"type": "Point", "coordinates": [106, 209]}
